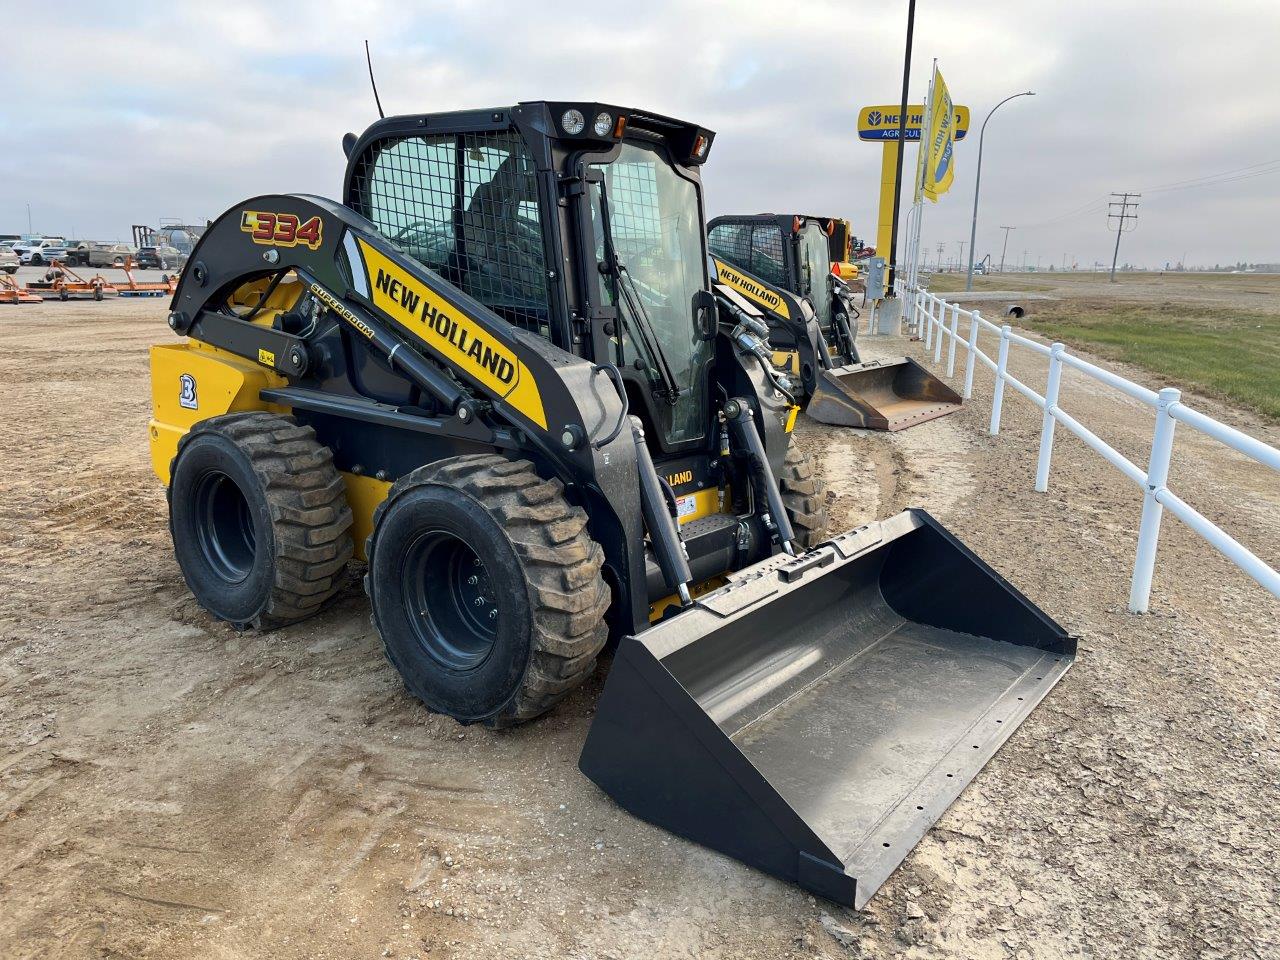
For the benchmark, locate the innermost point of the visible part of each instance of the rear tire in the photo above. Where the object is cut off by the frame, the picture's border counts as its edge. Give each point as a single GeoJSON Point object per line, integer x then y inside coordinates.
{"type": "Point", "coordinates": [259, 518]}
{"type": "Point", "coordinates": [486, 589]}
{"type": "Point", "coordinates": [805, 497]}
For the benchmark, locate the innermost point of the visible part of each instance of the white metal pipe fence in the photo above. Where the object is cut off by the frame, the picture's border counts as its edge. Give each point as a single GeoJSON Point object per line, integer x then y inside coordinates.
{"type": "Point", "coordinates": [933, 319]}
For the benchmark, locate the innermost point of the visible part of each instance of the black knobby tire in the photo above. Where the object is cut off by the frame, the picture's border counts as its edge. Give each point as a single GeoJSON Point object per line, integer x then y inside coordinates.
{"type": "Point", "coordinates": [805, 497]}
{"type": "Point", "coordinates": [486, 588]}
{"type": "Point", "coordinates": [259, 518]}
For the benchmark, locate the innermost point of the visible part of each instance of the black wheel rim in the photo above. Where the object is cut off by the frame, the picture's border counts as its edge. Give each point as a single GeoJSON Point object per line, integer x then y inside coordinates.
{"type": "Point", "coordinates": [224, 527]}
{"type": "Point", "coordinates": [449, 601]}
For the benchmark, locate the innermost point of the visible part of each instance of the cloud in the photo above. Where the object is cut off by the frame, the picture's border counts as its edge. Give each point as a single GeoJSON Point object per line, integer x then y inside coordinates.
{"type": "Point", "coordinates": [184, 109]}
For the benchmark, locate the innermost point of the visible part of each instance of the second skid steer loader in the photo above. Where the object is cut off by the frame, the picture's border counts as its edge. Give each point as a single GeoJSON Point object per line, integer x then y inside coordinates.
{"type": "Point", "coordinates": [495, 373]}
{"type": "Point", "coordinates": [781, 262]}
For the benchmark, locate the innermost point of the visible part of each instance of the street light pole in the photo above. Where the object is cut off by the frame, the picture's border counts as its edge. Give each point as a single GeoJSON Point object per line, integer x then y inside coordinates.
{"type": "Point", "coordinates": [977, 183]}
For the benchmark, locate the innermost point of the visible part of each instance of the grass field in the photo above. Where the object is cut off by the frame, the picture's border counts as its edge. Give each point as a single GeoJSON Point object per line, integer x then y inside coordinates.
{"type": "Point", "coordinates": [1218, 333]}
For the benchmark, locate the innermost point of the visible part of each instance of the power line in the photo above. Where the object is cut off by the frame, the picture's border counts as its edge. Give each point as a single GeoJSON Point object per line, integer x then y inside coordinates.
{"type": "Point", "coordinates": [1262, 169]}
{"type": "Point", "coordinates": [1178, 184]}
{"type": "Point", "coordinates": [1123, 217]}
{"type": "Point", "coordinates": [1093, 206]}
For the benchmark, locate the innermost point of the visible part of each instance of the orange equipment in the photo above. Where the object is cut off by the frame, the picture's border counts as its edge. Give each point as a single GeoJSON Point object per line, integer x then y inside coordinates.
{"type": "Point", "coordinates": [11, 292]}
{"type": "Point", "coordinates": [146, 288]}
{"type": "Point", "coordinates": [63, 283]}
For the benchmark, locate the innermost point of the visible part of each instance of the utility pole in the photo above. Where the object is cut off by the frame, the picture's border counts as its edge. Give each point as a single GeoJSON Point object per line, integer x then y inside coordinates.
{"type": "Point", "coordinates": [30, 229]}
{"type": "Point", "coordinates": [961, 259]}
{"type": "Point", "coordinates": [1118, 210]}
{"type": "Point", "coordinates": [902, 145]}
{"type": "Point", "coordinates": [941, 249]}
{"type": "Point", "coordinates": [1005, 248]}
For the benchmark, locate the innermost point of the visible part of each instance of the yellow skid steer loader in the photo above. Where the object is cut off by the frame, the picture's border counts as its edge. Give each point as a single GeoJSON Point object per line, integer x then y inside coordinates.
{"type": "Point", "coordinates": [497, 374]}
{"type": "Point", "coordinates": [781, 264]}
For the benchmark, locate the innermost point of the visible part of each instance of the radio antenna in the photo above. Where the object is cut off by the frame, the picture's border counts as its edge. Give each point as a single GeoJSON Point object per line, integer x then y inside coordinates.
{"type": "Point", "coordinates": [372, 82]}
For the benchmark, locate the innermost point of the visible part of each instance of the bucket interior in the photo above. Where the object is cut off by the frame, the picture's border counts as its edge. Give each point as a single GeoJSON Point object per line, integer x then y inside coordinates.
{"type": "Point", "coordinates": [886, 395]}
{"type": "Point", "coordinates": [869, 697]}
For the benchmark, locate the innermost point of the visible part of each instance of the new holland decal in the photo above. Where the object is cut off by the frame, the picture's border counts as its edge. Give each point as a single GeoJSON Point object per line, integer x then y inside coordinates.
{"type": "Point", "coordinates": [281, 229]}
{"type": "Point", "coordinates": [751, 289]}
{"type": "Point", "coordinates": [459, 340]}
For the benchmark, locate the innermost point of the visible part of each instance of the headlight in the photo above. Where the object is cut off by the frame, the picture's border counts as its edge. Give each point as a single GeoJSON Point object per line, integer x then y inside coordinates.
{"type": "Point", "coordinates": [603, 125]}
{"type": "Point", "coordinates": [572, 122]}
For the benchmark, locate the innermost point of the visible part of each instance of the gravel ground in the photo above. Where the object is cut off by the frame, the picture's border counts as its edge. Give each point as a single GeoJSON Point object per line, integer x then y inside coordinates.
{"type": "Point", "coordinates": [170, 788]}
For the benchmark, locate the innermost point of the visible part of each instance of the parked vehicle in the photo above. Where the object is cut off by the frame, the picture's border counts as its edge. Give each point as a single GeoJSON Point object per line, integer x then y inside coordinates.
{"type": "Point", "coordinates": [77, 253]}
{"type": "Point", "coordinates": [41, 251]}
{"type": "Point", "coordinates": [161, 256]}
{"type": "Point", "coordinates": [110, 254]}
{"type": "Point", "coordinates": [168, 247]}
{"type": "Point", "coordinates": [9, 260]}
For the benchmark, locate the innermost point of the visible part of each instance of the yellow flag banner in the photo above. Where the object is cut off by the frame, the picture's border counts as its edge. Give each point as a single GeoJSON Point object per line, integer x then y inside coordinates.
{"type": "Point", "coordinates": [940, 154]}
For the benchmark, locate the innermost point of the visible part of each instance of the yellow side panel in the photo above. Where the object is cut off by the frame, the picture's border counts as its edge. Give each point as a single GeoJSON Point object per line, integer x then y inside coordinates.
{"type": "Point", "coordinates": [190, 383]}
{"type": "Point", "coordinates": [787, 360]}
{"type": "Point", "coordinates": [363, 495]}
{"type": "Point", "coordinates": [705, 503]}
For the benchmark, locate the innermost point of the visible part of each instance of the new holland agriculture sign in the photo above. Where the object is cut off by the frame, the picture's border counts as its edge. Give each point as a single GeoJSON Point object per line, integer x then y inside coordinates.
{"type": "Point", "coordinates": [881, 123]}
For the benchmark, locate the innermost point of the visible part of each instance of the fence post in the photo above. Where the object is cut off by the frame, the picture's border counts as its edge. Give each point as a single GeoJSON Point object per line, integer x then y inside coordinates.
{"type": "Point", "coordinates": [1002, 363]}
{"type": "Point", "coordinates": [941, 324]}
{"type": "Point", "coordinates": [1047, 425]}
{"type": "Point", "coordinates": [927, 320]}
{"type": "Point", "coordinates": [951, 347]}
{"type": "Point", "coordinates": [973, 354]}
{"type": "Point", "coordinates": [1152, 510]}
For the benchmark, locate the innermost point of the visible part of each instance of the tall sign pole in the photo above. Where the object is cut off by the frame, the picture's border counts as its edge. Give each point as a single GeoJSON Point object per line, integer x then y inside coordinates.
{"type": "Point", "coordinates": [902, 133]}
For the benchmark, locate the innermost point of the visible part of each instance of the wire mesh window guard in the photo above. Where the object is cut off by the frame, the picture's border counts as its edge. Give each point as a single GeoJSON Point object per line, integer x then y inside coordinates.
{"type": "Point", "coordinates": [766, 255]}
{"type": "Point", "coordinates": [466, 206]}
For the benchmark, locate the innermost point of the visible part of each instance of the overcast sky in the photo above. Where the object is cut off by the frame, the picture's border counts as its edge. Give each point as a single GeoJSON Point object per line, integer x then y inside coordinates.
{"type": "Point", "coordinates": [125, 113]}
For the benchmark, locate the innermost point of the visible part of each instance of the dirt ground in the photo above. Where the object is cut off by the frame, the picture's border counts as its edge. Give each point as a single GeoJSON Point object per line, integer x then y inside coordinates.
{"type": "Point", "coordinates": [170, 788]}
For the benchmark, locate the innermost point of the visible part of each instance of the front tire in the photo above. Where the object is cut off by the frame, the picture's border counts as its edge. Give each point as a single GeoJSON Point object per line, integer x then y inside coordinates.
{"type": "Point", "coordinates": [486, 588]}
{"type": "Point", "coordinates": [804, 496]}
{"type": "Point", "coordinates": [259, 518]}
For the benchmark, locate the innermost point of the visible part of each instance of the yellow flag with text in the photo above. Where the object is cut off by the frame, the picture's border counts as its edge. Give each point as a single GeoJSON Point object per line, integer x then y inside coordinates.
{"type": "Point", "coordinates": [939, 149]}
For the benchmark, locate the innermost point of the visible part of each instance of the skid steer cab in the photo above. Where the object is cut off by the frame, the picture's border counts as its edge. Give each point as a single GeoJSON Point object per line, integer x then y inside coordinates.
{"type": "Point", "coordinates": [496, 373]}
{"type": "Point", "coordinates": [782, 265]}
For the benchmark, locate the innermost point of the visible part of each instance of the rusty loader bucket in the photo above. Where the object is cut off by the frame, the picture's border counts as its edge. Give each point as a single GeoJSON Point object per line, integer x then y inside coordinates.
{"type": "Point", "coordinates": [816, 715]}
{"type": "Point", "coordinates": [880, 395]}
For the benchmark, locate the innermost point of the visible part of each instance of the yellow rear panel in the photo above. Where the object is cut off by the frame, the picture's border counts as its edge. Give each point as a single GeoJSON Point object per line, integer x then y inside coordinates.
{"type": "Point", "coordinates": [191, 382]}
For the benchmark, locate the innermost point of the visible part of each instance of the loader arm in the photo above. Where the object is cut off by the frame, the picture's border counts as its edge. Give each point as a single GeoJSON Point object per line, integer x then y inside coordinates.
{"type": "Point", "coordinates": [798, 343]}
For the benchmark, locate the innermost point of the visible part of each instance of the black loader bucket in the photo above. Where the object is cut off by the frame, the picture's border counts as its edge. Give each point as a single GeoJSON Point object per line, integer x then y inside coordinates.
{"type": "Point", "coordinates": [880, 395]}
{"type": "Point", "coordinates": [816, 715]}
